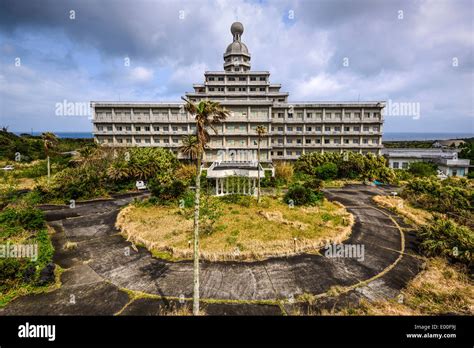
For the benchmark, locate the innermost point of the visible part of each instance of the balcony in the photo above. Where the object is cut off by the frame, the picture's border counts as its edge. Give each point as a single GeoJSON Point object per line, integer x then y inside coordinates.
{"type": "Point", "coordinates": [294, 120]}
{"type": "Point", "coordinates": [333, 120]}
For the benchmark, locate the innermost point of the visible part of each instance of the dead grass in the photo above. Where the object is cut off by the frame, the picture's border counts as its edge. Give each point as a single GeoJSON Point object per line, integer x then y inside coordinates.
{"type": "Point", "coordinates": [401, 207]}
{"type": "Point", "coordinates": [70, 245]}
{"type": "Point", "coordinates": [339, 183]}
{"type": "Point", "coordinates": [441, 288]}
{"type": "Point", "coordinates": [179, 310]}
{"type": "Point", "coordinates": [242, 233]}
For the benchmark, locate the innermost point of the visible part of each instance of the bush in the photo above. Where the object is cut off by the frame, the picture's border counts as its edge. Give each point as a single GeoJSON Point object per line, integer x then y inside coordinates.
{"type": "Point", "coordinates": [301, 195]}
{"type": "Point", "coordinates": [349, 165]}
{"type": "Point", "coordinates": [283, 172]}
{"type": "Point", "coordinates": [402, 175]}
{"type": "Point", "coordinates": [422, 169]}
{"type": "Point", "coordinates": [186, 173]}
{"type": "Point", "coordinates": [34, 171]}
{"type": "Point", "coordinates": [110, 170]}
{"type": "Point", "coordinates": [326, 171]}
{"type": "Point", "coordinates": [444, 196]}
{"type": "Point", "coordinates": [314, 184]}
{"type": "Point", "coordinates": [27, 218]}
{"type": "Point", "coordinates": [242, 200]}
{"type": "Point", "coordinates": [166, 191]}
{"type": "Point", "coordinates": [443, 237]}
{"type": "Point", "coordinates": [24, 225]}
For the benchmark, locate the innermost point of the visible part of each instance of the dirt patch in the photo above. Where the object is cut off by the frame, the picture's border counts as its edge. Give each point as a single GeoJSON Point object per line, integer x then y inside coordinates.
{"type": "Point", "coordinates": [277, 216]}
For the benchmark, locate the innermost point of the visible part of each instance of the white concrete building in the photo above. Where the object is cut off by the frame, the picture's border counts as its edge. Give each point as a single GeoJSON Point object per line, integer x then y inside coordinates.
{"type": "Point", "coordinates": [293, 128]}
{"type": "Point", "coordinates": [446, 160]}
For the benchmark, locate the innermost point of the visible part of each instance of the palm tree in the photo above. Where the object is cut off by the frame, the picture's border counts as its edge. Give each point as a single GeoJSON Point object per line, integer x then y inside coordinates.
{"type": "Point", "coordinates": [49, 141]}
{"type": "Point", "coordinates": [190, 146]}
{"type": "Point", "coordinates": [119, 170]}
{"type": "Point", "coordinates": [85, 155]}
{"type": "Point", "coordinates": [208, 114]}
{"type": "Point", "coordinates": [261, 130]}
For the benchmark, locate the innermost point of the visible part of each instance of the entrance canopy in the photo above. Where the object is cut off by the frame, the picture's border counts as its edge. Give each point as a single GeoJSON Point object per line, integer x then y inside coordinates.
{"type": "Point", "coordinates": [235, 177]}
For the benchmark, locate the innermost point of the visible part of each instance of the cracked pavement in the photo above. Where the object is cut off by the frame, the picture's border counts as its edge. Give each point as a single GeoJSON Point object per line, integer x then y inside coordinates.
{"type": "Point", "coordinates": [104, 263]}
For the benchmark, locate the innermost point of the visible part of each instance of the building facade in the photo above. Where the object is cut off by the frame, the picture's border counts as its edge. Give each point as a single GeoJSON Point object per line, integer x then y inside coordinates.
{"type": "Point", "coordinates": [446, 159]}
{"type": "Point", "coordinates": [293, 128]}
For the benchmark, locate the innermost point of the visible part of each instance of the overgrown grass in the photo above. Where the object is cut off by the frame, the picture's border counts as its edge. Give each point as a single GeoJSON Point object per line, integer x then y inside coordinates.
{"type": "Point", "coordinates": [23, 225]}
{"type": "Point", "coordinates": [441, 288]}
{"type": "Point", "coordinates": [415, 216]}
{"type": "Point", "coordinates": [246, 231]}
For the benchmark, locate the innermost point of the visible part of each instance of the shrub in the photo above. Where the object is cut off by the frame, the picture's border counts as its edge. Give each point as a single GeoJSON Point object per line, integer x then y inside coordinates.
{"type": "Point", "coordinates": [27, 218]}
{"type": "Point", "coordinates": [210, 212]}
{"type": "Point", "coordinates": [349, 165]}
{"type": "Point", "coordinates": [186, 173]}
{"type": "Point", "coordinates": [301, 195]}
{"type": "Point", "coordinates": [401, 174]}
{"type": "Point", "coordinates": [422, 169]}
{"type": "Point", "coordinates": [242, 200]}
{"type": "Point", "coordinates": [326, 171]}
{"type": "Point", "coordinates": [313, 184]}
{"type": "Point", "coordinates": [34, 171]}
{"type": "Point", "coordinates": [450, 196]}
{"type": "Point", "coordinates": [24, 225]}
{"type": "Point", "coordinates": [166, 191]}
{"type": "Point", "coordinates": [283, 172]}
{"type": "Point", "coordinates": [443, 237]}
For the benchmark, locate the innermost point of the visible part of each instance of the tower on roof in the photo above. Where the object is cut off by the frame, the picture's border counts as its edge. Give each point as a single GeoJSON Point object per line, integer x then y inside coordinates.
{"type": "Point", "coordinates": [237, 56]}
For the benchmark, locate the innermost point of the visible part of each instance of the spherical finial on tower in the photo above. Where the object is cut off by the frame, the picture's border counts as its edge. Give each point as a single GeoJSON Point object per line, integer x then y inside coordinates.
{"type": "Point", "coordinates": [237, 30]}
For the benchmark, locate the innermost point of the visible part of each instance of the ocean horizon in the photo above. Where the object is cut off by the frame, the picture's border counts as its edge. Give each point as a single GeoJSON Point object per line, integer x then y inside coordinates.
{"type": "Point", "coordinates": [389, 136]}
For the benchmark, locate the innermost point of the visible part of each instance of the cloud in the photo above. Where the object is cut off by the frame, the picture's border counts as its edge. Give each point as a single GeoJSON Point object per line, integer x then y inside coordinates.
{"type": "Point", "coordinates": [171, 43]}
{"type": "Point", "coordinates": [141, 74]}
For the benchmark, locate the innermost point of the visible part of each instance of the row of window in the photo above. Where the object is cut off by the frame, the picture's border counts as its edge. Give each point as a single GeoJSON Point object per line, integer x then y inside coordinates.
{"type": "Point", "coordinates": [236, 59]}
{"type": "Point", "coordinates": [237, 89]}
{"type": "Point", "coordinates": [243, 142]}
{"type": "Point", "coordinates": [280, 141]}
{"type": "Point", "coordinates": [237, 78]}
{"type": "Point", "coordinates": [242, 128]}
{"type": "Point", "coordinates": [146, 128]}
{"type": "Point", "coordinates": [299, 114]}
{"type": "Point", "coordinates": [328, 115]}
{"type": "Point", "coordinates": [396, 165]}
{"type": "Point", "coordinates": [326, 128]}
{"type": "Point", "coordinates": [299, 153]}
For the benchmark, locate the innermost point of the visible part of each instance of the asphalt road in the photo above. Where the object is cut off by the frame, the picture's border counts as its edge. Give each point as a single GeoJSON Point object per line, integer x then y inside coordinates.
{"type": "Point", "coordinates": [103, 264]}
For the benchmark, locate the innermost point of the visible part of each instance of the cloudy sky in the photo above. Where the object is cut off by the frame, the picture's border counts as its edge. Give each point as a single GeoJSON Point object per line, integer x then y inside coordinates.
{"type": "Point", "coordinates": [418, 52]}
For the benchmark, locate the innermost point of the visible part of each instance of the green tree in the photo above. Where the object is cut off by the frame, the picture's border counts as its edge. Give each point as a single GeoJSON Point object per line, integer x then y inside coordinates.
{"type": "Point", "coordinates": [326, 171]}
{"type": "Point", "coordinates": [422, 169]}
{"type": "Point", "coordinates": [261, 130]}
{"type": "Point", "coordinates": [467, 149]}
{"type": "Point", "coordinates": [207, 115]}
{"type": "Point", "coordinates": [189, 146]}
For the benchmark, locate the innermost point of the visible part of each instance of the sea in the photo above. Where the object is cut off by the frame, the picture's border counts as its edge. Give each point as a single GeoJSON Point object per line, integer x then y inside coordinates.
{"type": "Point", "coordinates": [400, 136]}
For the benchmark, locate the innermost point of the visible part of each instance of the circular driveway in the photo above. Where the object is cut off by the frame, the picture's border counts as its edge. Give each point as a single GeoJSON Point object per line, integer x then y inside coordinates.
{"type": "Point", "coordinates": [102, 257]}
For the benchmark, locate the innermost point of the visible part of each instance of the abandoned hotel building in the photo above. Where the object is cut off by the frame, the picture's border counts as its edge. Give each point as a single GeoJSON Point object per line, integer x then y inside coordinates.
{"type": "Point", "coordinates": [293, 128]}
